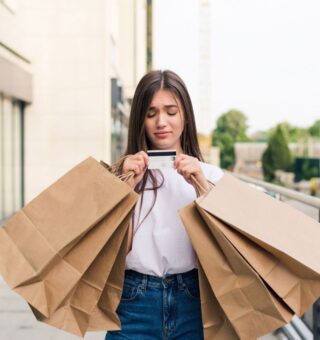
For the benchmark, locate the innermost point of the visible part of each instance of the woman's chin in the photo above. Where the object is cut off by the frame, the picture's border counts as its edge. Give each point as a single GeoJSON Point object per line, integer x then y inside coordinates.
{"type": "Point", "coordinates": [164, 147]}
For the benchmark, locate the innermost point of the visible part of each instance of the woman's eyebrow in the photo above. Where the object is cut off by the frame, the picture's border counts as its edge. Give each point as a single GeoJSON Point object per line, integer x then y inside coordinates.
{"type": "Point", "coordinates": [152, 108]}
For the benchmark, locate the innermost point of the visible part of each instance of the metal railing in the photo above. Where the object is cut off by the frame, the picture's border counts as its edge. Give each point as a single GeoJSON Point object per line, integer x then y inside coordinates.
{"type": "Point", "coordinates": [297, 328]}
{"type": "Point", "coordinates": [295, 195]}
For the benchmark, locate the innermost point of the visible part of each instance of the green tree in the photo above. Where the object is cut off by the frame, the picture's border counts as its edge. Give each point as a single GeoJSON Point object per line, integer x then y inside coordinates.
{"type": "Point", "coordinates": [231, 128]}
{"type": "Point", "coordinates": [314, 130]}
{"type": "Point", "coordinates": [292, 133]}
{"type": "Point", "coordinates": [277, 156]}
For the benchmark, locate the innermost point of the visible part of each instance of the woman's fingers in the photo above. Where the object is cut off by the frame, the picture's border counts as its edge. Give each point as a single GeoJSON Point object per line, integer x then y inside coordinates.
{"type": "Point", "coordinates": [188, 170]}
{"type": "Point", "coordinates": [134, 166]}
{"type": "Point", "coordinates": [137, 163]}
{"type": "Point", "coordinates": [141, 155]}
{"type": "Point", "coordinates": [140, 158]}
{"type": "Point", "coordinates": [137, 166]}
{"type": "Point", "coordinates": [145, 157]}
{"type": "Point", "coordinates": [188, 166]}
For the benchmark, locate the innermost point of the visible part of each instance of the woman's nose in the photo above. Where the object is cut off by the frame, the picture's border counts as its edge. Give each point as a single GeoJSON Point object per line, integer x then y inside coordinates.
{"type": "Point", "coordinates": [161, 121]}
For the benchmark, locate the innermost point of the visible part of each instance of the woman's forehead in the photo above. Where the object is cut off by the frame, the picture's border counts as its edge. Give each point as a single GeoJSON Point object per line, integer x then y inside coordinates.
{"type": "Point", "coordinates": [165, 98]}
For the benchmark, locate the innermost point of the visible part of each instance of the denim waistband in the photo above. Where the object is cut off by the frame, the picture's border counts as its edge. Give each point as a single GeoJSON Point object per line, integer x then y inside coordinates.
{"type": "Point", "coordinates": [144, 280]}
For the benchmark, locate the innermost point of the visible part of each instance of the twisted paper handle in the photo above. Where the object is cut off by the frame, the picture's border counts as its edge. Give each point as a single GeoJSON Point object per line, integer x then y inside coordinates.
{"type": "Point", "coordinates": [116, 167]}
{"type": "Point", "coordinates": [200, 190]}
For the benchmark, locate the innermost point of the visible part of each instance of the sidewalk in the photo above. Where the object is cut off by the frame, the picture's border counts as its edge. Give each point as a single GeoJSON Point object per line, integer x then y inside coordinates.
{"type": "Point", "coordinates": [18, 322]}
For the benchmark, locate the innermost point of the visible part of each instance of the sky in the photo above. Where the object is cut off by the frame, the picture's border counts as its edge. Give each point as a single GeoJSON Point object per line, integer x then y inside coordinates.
{"type": "Point", "coordinates": [265, 56]}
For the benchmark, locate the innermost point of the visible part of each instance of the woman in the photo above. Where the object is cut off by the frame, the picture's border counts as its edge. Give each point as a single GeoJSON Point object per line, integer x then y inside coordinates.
{"type": "Point", "coordinates": [161, 297]}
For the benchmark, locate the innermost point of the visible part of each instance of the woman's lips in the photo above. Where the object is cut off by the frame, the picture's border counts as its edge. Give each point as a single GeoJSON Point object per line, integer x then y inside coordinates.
{"type": "Point", "coordinates": [162, 134]}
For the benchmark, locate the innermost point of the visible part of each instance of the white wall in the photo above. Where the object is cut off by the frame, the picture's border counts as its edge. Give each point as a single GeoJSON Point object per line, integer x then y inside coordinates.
{"type": "Point", "coordinates": [69, 117]}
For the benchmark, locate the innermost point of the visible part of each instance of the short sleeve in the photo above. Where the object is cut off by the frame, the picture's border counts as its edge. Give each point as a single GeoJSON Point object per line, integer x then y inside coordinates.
{"type": "Point", "coordinates": [212, 173]}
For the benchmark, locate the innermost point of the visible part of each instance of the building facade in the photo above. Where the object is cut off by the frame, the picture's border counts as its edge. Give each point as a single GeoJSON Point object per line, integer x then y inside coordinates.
{"type": "Point", "coordinates": [67, 74]}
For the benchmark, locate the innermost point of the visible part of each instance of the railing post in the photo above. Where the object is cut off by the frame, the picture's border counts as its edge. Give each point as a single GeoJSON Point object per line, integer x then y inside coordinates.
{"type": "Point", "coordinates": [316, 313]}
{"type": "Point", "coordinates": [316, 320]}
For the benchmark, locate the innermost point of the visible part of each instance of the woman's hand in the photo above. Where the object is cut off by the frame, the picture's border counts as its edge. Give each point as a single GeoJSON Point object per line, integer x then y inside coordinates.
{"type": "Point", "coordinates": [187, 166]}
{"type": "Point", "coordinates": [137, 163]}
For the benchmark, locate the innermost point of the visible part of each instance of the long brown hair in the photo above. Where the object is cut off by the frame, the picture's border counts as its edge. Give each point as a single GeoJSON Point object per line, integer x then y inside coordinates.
{"type": "Point", "coordinates": [147, 87]}
{"type": "Point", "coordinates": [150, 83]}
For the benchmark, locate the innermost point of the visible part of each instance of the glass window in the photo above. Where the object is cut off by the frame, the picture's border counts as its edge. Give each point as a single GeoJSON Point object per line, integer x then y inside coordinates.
{"type": "Point", "coordinates": [119, 133]}
{"type": "Point", "coordinates": [119, 127]}
{"type": "Point", "coordinates": [11, 156]}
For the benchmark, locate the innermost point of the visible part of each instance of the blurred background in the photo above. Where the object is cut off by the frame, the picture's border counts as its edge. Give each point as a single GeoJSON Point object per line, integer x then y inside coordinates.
{"type": "Point", "coordinates": [68, 70]}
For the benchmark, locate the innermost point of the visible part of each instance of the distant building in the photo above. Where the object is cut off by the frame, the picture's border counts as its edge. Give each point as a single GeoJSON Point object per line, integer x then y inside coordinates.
{"type": "Point", "coordinates": [248, 158]}
{"type": "Point", "coordinates": [68, 72]}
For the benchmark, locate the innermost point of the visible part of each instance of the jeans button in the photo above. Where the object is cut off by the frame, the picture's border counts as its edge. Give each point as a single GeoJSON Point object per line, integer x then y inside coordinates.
{"type": "Point", "coordinates": [167, 280]}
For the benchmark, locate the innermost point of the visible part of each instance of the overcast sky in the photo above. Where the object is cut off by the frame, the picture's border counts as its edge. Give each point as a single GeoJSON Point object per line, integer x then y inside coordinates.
{"type": "Point", "coordinates": [265, 56]}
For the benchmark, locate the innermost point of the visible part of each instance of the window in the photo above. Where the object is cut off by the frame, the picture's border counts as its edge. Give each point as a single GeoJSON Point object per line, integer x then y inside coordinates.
{"type": "Point", "coordinates": [119, 132]}
{"type": "Point", "coordinates": [11, 156]}
{"type": "Point", "coordinates": [120, 121]}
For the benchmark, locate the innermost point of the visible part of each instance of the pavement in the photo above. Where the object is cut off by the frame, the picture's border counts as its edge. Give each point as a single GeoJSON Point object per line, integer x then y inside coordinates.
{"type": "Point", "coordinates": [18, 322]}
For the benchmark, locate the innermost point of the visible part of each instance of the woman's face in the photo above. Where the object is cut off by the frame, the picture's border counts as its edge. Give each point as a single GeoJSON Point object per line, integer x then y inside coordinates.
{"type": "Point", "coordinates": [164, 121]}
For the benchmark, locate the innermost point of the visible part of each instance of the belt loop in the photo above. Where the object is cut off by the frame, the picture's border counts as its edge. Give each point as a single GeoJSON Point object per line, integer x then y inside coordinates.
{"type": "Point", "coordinates": [180, 281]}
{"type": "Point", "coordinates": [144, 281]}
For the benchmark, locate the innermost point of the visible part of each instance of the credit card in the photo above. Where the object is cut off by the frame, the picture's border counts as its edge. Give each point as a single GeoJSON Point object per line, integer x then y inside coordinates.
{"type": "Point", "coordinates": [160, 159]}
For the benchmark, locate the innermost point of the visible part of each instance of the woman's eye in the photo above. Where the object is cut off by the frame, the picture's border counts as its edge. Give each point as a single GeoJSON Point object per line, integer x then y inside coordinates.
{"type": "Point", "coordinates": [172, 113]}
{"type": "Point", "coordinates": [150, 115]}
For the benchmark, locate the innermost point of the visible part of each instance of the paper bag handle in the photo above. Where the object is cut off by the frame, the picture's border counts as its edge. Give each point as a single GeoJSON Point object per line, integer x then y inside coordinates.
{"type": "Point", "coordinates": [200, 190]}
{"type": "Point", "coordinates": [115, 169]}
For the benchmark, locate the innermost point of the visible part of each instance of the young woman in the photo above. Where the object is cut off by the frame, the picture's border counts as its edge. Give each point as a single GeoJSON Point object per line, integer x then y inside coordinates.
{"type": "Point", "coordinates": [161, 298]}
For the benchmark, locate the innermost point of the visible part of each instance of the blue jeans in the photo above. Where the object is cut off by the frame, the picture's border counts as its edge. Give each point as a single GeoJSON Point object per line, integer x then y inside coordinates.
{"type": "Point", "coordinates": [165, 308]}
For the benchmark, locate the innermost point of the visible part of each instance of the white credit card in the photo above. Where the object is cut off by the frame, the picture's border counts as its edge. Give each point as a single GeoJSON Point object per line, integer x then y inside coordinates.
{"type": "Point", "coordinates": [160, 159]}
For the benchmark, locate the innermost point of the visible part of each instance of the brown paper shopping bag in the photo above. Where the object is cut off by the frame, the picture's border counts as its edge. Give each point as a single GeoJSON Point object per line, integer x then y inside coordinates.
{"type": "Point", "coordinates": [245, 306]}
{"type": "Point", "coordinates": [215, 322]}
{"type": "Point", "coordinates": [103, 316]}
{"type": "Point", "coordinates": [269, 237]}
{"type": "Point", "coordinates": [47, 248]}
{"type": "Point", "coordinates": [279, 242]}
{"type": "Point", "coordinates": [81, 305]}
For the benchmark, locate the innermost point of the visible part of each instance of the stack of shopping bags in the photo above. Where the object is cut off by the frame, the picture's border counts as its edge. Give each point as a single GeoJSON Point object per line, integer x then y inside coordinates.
{"type": "Point", "coordinates": [64, 253]}
{"type": "Point", "coordinates": [259, 260]}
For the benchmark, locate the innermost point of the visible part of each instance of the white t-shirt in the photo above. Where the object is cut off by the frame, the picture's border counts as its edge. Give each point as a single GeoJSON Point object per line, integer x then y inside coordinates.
{"type": "Point", "coordinates": [161, 244]}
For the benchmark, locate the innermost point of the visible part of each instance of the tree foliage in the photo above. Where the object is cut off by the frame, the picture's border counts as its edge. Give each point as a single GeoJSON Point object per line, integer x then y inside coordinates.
{"type": "Point", "coordinates": [277, 156]}
{"type": "Point", "coordinates": [292, 133]}
{"type": "Point", "coordinates": [231, 128]}
{"type": "Point", "coordinates": [296, 133]}
{"type": "Point", "coordinates": [314, 130]}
